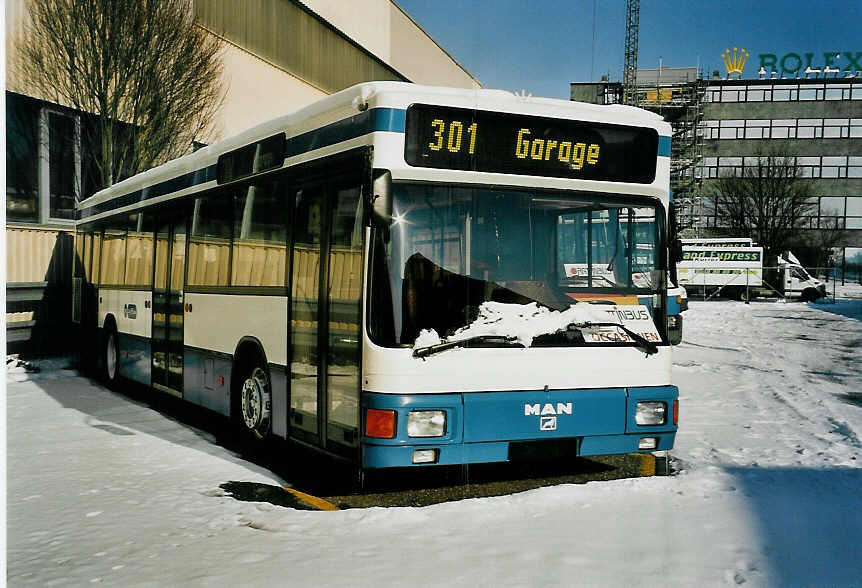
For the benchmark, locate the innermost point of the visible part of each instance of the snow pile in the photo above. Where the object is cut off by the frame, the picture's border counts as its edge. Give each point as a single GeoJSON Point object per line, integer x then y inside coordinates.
{"type": "Point", "coordinates": [427, 338]}
{"type": "Point", "coordinates": [16, 365]}
{"type": "Point", "coordinates": [520, 322]}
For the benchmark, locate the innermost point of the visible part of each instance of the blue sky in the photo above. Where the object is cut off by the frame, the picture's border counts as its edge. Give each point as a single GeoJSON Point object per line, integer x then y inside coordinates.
{"type": "Point", "coordinates": [542, 45]}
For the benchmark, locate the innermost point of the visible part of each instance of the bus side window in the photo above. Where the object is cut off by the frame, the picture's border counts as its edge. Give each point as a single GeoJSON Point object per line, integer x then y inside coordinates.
{"type": "Point", "coordinates": [210, 242]}
{"type": "Point", "coordinates": [113, 255]}
{"type": "Point", "coordinates": [259, 235]}
{"type": "Point", "coordinates": [139, 252]}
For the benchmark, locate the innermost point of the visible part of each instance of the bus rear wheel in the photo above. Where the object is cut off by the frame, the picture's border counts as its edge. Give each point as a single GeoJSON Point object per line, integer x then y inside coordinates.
{"type": "Point", "coordinates": [111, 359]}
{"type": "Point", "coordinates": [255, 403]}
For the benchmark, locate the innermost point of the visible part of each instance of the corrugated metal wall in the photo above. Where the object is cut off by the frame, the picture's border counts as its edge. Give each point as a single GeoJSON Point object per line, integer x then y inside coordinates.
{"type": "Point", "coordinates": [291, 37]}
{"type": "Point", "coordinates": [39, 289]}
{"type": "Point", "coordinates": [38, 255]}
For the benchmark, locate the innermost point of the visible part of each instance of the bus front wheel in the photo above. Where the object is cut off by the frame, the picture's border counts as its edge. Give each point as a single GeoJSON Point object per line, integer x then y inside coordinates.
{"type": "Point", "coordinates": [255, 403]}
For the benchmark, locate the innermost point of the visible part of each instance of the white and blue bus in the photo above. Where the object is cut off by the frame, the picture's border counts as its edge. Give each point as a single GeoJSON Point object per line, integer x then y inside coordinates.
{"type": "Point", "coordinates": [400, 275]}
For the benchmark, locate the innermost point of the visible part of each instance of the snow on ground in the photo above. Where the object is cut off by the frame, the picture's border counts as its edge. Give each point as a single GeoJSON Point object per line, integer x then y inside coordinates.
{"type": "Point", "coordinates": [102, 489]}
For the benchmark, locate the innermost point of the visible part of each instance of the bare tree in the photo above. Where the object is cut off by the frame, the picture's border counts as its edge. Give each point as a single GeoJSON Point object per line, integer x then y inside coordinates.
{"type": "Point", "coordinates": [818, 246]}
{"type": "Point", "coordinates": [768, 200]}
{"type": "Point", "coordinates": [148, 75]}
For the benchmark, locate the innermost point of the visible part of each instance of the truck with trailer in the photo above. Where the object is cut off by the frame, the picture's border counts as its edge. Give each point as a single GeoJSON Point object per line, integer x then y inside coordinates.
{"type": "Point", "coordinates": [734, 267]}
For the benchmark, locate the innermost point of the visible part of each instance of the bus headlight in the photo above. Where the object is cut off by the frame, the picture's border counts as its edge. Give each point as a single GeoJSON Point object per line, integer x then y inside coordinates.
{"type": "Point", "coordinates": [426, 423]}
{"type": "Point", "coordinates": [650, 413]}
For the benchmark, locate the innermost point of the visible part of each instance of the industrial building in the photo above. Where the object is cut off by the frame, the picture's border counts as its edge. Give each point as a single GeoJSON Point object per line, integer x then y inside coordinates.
{"type": "Point", "coordinates": [278, 56]}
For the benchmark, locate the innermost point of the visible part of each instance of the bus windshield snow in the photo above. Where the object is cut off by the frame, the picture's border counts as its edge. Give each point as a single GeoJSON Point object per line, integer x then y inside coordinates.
{"type": "Point", "coordinates": [453, 256]}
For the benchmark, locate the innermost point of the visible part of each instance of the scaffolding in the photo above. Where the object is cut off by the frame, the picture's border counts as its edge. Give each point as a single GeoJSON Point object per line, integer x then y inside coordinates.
{"type": "Point", "coordinates": [678, 95]}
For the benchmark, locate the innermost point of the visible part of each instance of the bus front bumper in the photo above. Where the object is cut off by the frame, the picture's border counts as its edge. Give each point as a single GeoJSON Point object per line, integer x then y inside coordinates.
{"type": "Point", "coordinates": [507, 426]}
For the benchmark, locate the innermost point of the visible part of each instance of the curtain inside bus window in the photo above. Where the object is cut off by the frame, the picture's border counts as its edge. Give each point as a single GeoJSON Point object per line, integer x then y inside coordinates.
{"type": "Point", "coordinates": [87, 258]}
{"type": "Point", "coordinates": [178, 260]}
{"type": "Point", "coordinates": [259, 235]}
{"type": "Point", "coordinates": [96, 259]}
{"type": "Point", "coordinates": [113, 254]}
{"type": "Point", "coordinates": [139, 251]}
{"type": "Point", "coordinates": [210, 241]}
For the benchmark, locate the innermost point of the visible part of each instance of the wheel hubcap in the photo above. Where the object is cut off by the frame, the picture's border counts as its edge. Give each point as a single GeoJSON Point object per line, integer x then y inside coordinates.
{"type": "Point", "coordinates": [255, 402]}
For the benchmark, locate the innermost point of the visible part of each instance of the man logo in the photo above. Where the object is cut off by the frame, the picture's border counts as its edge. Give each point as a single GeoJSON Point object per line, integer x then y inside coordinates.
{"type": "Point", "coordinates": [548, 423]}
{"type": "Point", "coordinates": [547, 413]}
{"type": "Point", "coordinates": [547, 408]}
{"type": "Point", "coordinates": [734, 63]}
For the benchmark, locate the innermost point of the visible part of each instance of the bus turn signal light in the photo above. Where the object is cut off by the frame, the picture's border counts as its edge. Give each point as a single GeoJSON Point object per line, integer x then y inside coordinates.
{"type": "Point", "coordinates": [676, 412]}
{"type": "Point", "coordinates": [380, 423]}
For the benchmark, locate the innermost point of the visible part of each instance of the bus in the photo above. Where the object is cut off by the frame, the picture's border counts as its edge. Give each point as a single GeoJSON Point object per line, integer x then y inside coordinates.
{"type": "Point", "coordinates": [400, 275]}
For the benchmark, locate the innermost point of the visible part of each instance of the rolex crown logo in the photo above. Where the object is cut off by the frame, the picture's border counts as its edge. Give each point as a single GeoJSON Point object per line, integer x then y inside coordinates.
{"type": "Point", "coordinates": [735, 62]}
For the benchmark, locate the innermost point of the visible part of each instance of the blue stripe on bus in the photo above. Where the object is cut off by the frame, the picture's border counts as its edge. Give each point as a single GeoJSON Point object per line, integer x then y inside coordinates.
{"type": "Point", "coordinates": [663, 146]}
{"type": "Point", "coordinates": [376, 119]}
{"type": "Point", "coordinates": [182, 182]}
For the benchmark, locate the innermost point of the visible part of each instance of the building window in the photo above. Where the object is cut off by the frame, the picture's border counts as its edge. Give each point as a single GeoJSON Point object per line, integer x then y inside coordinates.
{"type": "Point", "coordinates": [22, 159]}
{"type": "Point", "coordinates": [841, 92]}
{"type": "Point", "coordinates": [804, 128]}
{"type": "Point", "coordinates": [836, 128]}
{"type": "Point", "coordinates": [854, 212]}
{"type": "Point", "coordinates": [43, 161]}
{"type": "Point", "coordinates": [784, 92]}
{"type": "Point", "coordinates": [61, 138]}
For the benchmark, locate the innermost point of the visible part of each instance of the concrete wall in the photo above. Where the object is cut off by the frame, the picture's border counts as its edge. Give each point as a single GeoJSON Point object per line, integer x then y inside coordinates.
{"type": "Point", "coordinates": [385, 29]}
{"type": "Point", "coordinates": [256, 91]}
{"type": "Point", "coordinates": [369, 22]}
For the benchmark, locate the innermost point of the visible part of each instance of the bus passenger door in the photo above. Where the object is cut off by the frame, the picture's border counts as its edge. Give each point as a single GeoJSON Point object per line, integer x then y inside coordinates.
{"type": "Point", "coordinates": [325, 316]}
{"type": "Point", "coordinates": [304, 360]}
{"type": "Point", "coordinates": [168, 309]}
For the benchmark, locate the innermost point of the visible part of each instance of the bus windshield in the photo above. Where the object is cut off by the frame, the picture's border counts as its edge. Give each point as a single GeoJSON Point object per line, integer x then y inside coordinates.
{"type": "Point", "coordinates": [450, 249]}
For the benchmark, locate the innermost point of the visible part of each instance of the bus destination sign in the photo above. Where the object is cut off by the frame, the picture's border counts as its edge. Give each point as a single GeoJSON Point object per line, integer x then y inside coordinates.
{"type": "Point", "coordinates": [484, 141]}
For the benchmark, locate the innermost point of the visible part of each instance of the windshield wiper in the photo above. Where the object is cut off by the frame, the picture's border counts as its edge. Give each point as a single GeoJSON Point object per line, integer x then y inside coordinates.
{"type": "Point", "coordinates": [424, 352]}
{"type": "Point", "coordinates": [647, 346]}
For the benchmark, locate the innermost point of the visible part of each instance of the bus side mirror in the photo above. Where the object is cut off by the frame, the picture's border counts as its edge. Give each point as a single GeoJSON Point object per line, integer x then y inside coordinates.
{"type": "Point", "coordinates": [676, 250]}
{"type": "Point", "coordinates": [381, 198]}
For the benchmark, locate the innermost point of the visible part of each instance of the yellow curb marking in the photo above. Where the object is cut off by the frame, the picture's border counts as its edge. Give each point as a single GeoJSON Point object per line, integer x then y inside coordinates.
{"type": "Point", "coordinates": [318, 503]}
{"type": "Point", "coordinates": [647, 467]}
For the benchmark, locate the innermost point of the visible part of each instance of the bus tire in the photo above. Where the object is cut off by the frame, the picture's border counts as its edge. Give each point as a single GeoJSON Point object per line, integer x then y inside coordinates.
{"type": "Point", "coordinates": [254, 402]}
{"type": "Point", "coordinates": [809, 295]}
{"type": "Point", "coordinates": [111, 357]}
